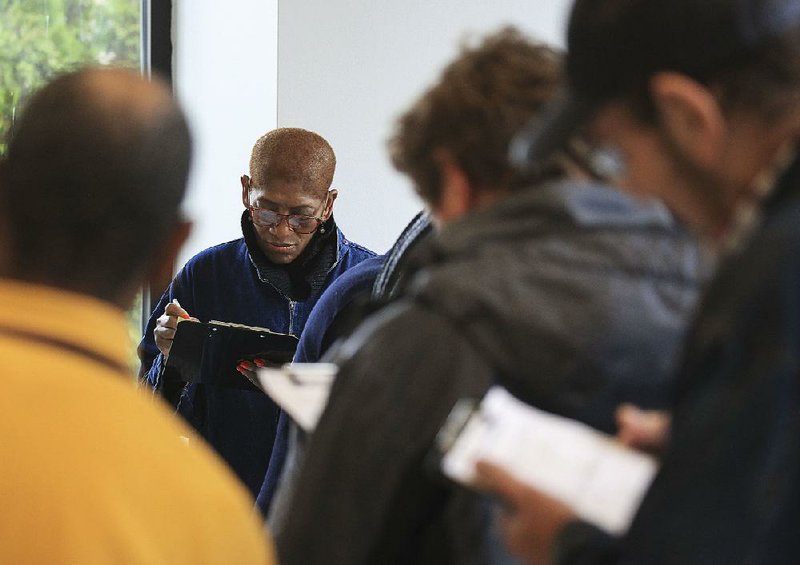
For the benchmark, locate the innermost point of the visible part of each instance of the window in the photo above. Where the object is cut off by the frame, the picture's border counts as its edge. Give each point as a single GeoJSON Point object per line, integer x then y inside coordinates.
{"type": "Point", "coordinates": [41, 38]}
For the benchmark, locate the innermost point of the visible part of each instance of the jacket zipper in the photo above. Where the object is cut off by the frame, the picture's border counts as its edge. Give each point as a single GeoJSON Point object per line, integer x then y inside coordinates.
{"type": "Point", "coordinates": [291, 316]}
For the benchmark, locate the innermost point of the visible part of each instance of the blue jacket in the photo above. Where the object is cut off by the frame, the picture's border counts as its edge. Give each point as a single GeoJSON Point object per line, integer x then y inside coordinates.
{"type": "Point", "coordinates": [355, 283]}
{"type": "Point", "coordinates": [332, 319]}
{"type": "Point", "coordinates": [225, 283]}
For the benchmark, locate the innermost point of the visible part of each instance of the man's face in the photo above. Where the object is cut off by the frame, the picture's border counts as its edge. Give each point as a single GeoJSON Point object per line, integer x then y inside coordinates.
{"type": "Point", "coordinates": [280, 243]}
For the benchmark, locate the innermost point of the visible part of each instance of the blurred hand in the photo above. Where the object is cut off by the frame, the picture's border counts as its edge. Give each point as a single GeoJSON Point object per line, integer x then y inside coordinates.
{"type": "Point", "coordinates": [166, 324]}
{"type": "Point", "coordinates": [645, 430]}
{"type": "Point", "coordinates": [248, 369]}
{"type": "Point", "coordinates": [530, 520]}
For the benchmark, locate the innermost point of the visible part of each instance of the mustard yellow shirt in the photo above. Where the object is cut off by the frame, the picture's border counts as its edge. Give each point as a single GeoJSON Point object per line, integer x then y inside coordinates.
{"type": "Point", "coordinates": [92, 469]}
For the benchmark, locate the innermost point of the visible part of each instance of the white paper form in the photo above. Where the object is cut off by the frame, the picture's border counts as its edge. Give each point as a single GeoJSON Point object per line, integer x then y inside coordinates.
{"type": "Point", "coordinates": [602, 480]}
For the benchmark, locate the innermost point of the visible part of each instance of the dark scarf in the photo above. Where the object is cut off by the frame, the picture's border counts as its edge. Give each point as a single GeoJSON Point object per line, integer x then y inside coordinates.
{"type": "Point", "coordinates": [304, 275]}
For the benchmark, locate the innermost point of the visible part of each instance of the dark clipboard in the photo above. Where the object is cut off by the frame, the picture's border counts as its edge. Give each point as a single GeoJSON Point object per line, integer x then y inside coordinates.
{"type": "Point", "coordinates": [208, 352]}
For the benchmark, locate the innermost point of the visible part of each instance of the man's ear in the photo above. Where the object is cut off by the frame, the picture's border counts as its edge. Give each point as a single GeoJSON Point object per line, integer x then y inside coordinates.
{"type": "Point", "coordinates": [332, 194]}
{"type": "Point", "coordinates": [245, 180]}
{"type": "Point", "coordinates": [456, 198]}
{"type": "Point", "coordinates": [690, 116]}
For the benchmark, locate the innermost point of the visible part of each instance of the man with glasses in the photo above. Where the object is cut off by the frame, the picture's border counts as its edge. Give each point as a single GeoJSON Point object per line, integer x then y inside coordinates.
{"type": "Point", "coordinates": [291, 250]}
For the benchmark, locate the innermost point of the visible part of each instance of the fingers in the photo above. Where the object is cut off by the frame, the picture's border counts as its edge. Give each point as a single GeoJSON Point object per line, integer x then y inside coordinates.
{"type": "Point", "coordinates": [494, 479]}
{"type": "Point", "coordinates": [530, 519]}
{"type": "Point", "coordinates": [174, 309]}
{"type": "Point", "coordinates": [164, 333]}
{"type": "Point", "coordinates": [248, 370]}
{"type": "Point", "coordinates": [647, 430]}
{"type": "Point", "coordinates": [516, 537]}
{"type": "Point", "coordinates": [166, 324]}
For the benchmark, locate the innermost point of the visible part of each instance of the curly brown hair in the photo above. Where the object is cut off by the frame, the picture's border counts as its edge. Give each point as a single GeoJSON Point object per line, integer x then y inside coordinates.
{"type": "Point", "coordinates": [482, 99]}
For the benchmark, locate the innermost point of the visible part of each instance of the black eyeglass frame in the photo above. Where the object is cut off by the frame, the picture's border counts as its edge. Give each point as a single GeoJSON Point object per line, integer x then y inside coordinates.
{"type": "Point", "coordinates": [293, 221]}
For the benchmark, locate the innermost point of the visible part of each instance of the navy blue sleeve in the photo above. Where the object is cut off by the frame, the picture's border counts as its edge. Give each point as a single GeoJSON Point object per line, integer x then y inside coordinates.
{"type": "Point", "coordinates": [356, 281]}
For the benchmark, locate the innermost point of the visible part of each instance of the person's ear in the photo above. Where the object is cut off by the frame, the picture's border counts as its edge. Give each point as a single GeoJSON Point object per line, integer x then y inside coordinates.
{"type": "Point", "coordinates": [456, 198]}
{"type": "Point", "coordinates": [245, 180]}
{"type": "Point", "coordinates": [332, 194]}
{"type": "Point", "coordinates": [690, 116]}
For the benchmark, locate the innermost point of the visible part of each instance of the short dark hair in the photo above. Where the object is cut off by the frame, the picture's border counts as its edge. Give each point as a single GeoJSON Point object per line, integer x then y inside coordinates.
{"type": "Point", "coordinates": [92, 182]}
{"type": "Point", "coordinates": [472, 112]}
{"type": "Point", "coordinates": [767, 81]}
{"type": "Point", "coordinates": [762, 78]}
{"type": "Point", "coordinates": [746, 51]}
{"type": "Point", "coordinates": [295, 155]}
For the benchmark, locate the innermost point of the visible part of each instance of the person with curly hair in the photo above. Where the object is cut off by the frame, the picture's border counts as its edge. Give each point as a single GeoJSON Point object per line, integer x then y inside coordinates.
{"type": "Point", "coordinates": [564, 290]}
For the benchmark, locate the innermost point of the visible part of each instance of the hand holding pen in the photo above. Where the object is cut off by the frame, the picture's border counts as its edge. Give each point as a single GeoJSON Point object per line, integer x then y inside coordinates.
{"type": "Point", "coordinates": [167, 323]}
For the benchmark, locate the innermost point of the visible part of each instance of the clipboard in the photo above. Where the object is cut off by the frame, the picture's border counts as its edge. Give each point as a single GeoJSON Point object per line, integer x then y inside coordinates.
{"type": "Point", "coordinates": [208, 352]}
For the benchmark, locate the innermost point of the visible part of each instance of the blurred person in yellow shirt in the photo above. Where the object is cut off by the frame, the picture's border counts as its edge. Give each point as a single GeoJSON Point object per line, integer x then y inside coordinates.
{"type": "Point", "coordinates": [93, 470]}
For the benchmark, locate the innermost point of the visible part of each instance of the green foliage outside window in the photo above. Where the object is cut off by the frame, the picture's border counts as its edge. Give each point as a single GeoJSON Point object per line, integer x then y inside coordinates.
{"type": "Point", "coordinates": [41, 38]}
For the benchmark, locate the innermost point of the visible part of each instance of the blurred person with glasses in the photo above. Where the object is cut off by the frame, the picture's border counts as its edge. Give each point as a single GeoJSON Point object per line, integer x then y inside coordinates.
{"type": "Point", "coordinates": [93, 471]}
{"type": "Point", "coordinates": [290, 251]}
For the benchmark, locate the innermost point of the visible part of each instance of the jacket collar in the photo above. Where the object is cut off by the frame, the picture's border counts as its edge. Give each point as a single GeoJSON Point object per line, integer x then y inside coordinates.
{"type": "Point", "coordinates": [306, 274]}
{"type": "Point", "coordinates": [559, 206]}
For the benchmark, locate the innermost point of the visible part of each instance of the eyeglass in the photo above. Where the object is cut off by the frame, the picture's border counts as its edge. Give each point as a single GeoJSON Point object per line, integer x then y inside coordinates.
{"type": "Point", "coordinates": [299, 223]}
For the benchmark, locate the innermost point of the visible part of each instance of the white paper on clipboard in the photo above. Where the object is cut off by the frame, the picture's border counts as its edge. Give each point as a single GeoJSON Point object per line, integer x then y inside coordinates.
{"type": "Point", "coordinates": [300, 389]}
{"type": "Point", "coordinates": [602, 480]}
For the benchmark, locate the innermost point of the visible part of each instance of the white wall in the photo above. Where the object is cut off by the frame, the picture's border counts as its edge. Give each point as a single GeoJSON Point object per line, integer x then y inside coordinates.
{"type": "Point", "coordinates": [225, 73]}
{"type": "Point", "coordinates": [346, 68]}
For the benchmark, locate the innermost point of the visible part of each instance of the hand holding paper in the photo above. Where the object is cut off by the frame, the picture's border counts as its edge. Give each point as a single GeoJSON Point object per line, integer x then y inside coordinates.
{"type": "Point", "coordinates": [645, 430]}
{"type": "Point", "coordinates": [530, 520]}
{"type": "Point", "coordinates": [600, 479]}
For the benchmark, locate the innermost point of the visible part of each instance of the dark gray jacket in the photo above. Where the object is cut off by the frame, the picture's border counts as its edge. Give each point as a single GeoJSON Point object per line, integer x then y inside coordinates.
{"type": "Point", "coordinates": [573, 296]}
{"type": "Point", "coordinates": [728, 490]}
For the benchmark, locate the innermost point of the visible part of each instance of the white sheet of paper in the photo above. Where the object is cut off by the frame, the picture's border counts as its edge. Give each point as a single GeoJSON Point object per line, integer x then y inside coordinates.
{"type": "Point", "coordinates": [301, 389]}
{"type": "Point", "coordinates": [599, 478]}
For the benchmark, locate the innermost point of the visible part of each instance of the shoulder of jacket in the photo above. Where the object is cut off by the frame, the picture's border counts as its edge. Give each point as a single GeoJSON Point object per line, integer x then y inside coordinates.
{"type": "Point", "coordinates": [346, 243]}
{"type": "Point", "coordinates": [229, 247]}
